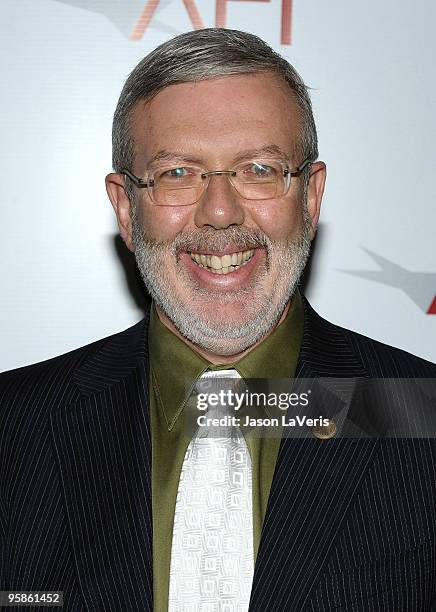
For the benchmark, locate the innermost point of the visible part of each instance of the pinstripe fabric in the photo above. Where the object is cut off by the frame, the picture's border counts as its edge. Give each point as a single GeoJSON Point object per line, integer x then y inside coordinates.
{"type": "Point", "coordinates": [350, 524]}
{"type": "Point", "coordinates": [76, 476]}
{"type": "Point", "coordinates": [316, 489]}
{"type": "Point", "coordinates": [380, 562]}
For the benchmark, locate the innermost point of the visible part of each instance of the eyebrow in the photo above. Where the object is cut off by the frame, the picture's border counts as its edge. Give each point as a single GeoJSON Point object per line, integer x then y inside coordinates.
{"type": "Point", "coordinates": [269, 150]}
{"type": "Point", "coordinates": [172, 156]}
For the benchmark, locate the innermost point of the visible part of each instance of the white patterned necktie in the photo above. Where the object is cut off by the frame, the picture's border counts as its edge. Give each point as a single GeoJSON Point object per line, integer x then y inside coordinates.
{"type": "Point", "coordinates": [212, 557]}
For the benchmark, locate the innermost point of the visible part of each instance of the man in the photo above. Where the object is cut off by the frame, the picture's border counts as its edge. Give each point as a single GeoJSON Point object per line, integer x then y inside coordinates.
{"type": "Point", "coordinates": [217, 191]}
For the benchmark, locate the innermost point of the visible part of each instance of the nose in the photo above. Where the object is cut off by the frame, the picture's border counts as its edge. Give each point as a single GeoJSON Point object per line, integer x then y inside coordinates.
{"type": "Point", "coordinates": [220, 206]}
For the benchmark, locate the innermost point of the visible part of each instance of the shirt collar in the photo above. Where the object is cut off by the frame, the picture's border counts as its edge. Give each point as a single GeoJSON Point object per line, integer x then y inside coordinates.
{"type": "Point", "coordinates": [174, 363]}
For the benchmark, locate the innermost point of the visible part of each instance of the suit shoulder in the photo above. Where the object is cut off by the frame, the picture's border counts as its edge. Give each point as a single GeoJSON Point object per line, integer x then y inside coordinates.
{"type": "Point", "coordinates": [59, 367]}
{"type": "Point", "coordinates": [333, 342]}
{"type": "Point", "coordinates": [28, 395]}
{"type": "Point", "coordinates": [385, 360]}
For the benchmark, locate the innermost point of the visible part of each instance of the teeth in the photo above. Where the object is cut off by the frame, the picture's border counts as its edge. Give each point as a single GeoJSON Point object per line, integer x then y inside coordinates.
{"type": "Point", "coordinates": [224, 264]}
{"type": "Point", "coordinates": [215, 262]}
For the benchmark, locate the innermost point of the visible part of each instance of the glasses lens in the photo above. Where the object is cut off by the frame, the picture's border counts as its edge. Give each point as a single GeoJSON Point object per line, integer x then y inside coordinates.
{"type": "Point", "coordinates": [179, 186]}
{"type": "Point", "coordinates": [181, 196]}
{"type": "Point", "coordinates": [260, 180]}
{"type": "Point", "coordinates": [264, 191]}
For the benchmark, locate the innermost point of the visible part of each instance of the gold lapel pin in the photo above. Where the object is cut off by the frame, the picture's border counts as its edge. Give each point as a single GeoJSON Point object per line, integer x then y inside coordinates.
{"type": "Point", "coordinates": [325, 432]}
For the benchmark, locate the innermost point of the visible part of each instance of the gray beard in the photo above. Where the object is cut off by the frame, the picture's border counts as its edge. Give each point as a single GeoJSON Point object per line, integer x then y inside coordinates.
{"type": "Point", "coordinates": [261, 313]}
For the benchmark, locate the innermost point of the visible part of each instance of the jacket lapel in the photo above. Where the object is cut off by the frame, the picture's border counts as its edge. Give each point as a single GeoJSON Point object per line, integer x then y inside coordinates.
{"type": "Point", "coordinates": [314, 482]}
{"type": "Point", "coordinates": [103, 448]}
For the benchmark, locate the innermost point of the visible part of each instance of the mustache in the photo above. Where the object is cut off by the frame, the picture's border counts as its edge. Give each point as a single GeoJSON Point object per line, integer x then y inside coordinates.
{"type": "Point", "coordinates": [241, 238]}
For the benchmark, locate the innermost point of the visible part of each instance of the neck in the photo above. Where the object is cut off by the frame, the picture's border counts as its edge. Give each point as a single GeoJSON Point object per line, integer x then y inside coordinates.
{"type": "Point", "coordinates": [214, 358]}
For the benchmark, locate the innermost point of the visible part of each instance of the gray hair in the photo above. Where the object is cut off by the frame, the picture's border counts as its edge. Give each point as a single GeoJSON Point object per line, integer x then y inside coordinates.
{"type": "Point", "coordinates": [200, 55]}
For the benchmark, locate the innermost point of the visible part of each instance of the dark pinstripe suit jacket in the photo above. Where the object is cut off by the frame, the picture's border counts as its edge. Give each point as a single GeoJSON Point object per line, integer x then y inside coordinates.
{"type": "Point", "coordinates": [350, 523]}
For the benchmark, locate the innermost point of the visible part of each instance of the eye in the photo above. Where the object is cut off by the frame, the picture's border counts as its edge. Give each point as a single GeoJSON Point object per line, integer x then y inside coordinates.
{"type": "Point", "coordinates": [172, 177]}
{"type": "Point", "coordinates": [259, 170]}
{"type": "Point", "coordinates": [178, 173]}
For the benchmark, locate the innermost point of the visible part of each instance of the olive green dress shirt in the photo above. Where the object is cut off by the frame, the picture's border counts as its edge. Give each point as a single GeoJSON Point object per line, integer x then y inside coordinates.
{"type": "Point", "coordinates": [172, 363]}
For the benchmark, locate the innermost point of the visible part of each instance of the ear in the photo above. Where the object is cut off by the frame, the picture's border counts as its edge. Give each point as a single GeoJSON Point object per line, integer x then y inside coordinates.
{"type": "Point", "coordinates": [315, 189]}
{"type": "Point", "coordinates": [115, 184]}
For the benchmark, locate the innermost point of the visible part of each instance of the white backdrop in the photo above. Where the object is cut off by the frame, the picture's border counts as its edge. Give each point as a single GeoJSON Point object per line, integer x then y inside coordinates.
{"type": "Point", "coordinates": [371, 67]}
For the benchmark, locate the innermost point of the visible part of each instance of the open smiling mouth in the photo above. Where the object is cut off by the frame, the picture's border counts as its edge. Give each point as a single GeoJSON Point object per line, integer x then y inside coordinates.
{"type": "Point", "coordinates": [222, 264]}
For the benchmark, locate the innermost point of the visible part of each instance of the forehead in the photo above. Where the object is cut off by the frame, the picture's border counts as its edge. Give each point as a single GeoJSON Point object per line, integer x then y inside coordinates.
{"type": "Point", "coordinates": [215, 119]}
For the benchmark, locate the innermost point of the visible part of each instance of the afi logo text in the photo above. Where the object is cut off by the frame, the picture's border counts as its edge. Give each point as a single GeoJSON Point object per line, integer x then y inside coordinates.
{"type": "Point", "coordinates": [220, 17]}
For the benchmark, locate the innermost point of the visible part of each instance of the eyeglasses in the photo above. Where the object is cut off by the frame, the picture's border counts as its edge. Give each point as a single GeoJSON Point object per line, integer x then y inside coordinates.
{"type": "Point", "coordinates": [185, 185]}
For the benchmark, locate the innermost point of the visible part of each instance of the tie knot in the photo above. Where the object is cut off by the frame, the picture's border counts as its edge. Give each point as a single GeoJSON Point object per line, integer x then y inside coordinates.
{"type": "Point", "coordinates": [213, 380]}
{"type": "Point", "coordinates": [216, 413]}
{"type": "Point", "coordinates": [217, 387]}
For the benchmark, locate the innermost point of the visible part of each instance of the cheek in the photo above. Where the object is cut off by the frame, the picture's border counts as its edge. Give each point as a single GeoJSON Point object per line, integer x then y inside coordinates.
{"type": "Point", "coordinates": [279, 220]}
{"type": "Point", "coordinates": [163, 222]}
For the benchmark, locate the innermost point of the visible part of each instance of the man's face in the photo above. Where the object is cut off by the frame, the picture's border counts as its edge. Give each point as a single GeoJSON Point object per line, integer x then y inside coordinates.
{"type": "Point", "coordinates": [216, 124]}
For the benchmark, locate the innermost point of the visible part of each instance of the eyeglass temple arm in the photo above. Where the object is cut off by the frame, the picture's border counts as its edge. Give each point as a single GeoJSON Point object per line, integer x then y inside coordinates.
{"type": "Point", "coordinates": [138, 181]}
{"type": "Point", "coordinates": [301, 167]}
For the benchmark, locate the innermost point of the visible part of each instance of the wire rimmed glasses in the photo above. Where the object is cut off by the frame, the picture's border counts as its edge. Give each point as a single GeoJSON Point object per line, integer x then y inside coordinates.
{"type": "Point", "coordinates": [183, 185]}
